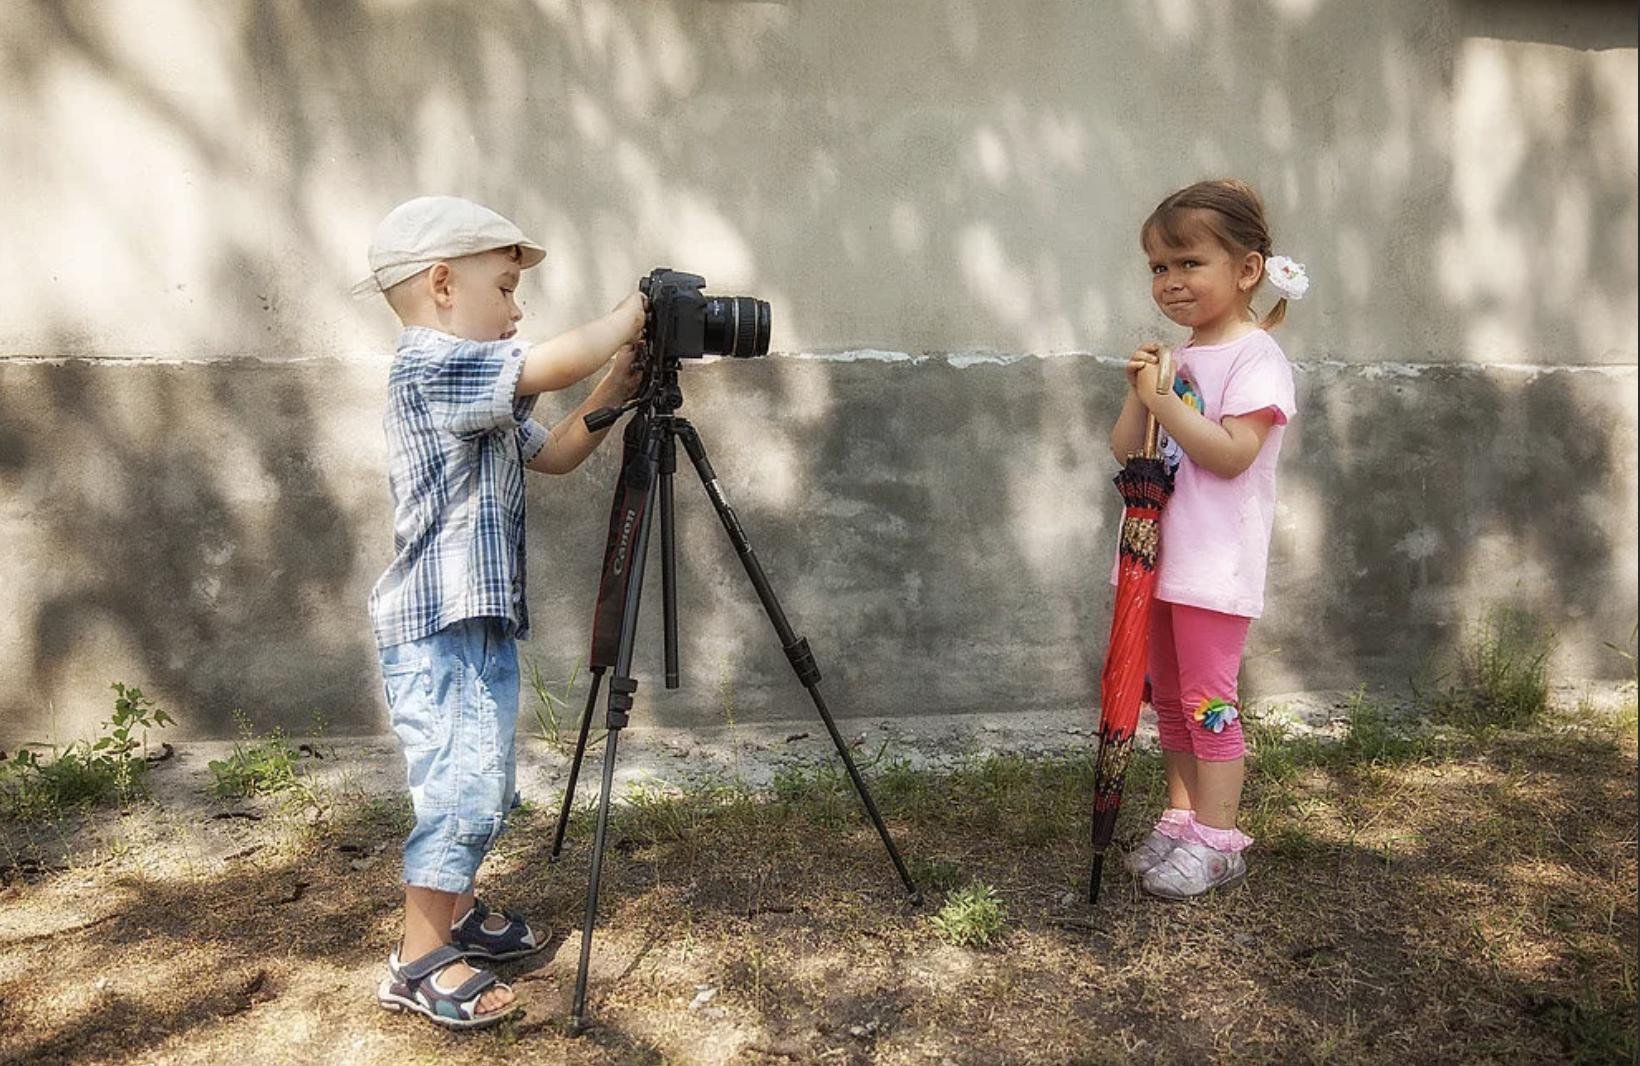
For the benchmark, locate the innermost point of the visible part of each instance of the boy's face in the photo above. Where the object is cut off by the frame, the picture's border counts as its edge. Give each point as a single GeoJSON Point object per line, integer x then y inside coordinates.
{"type": "Point", "coordinates": [1199, 282]}
{"type": "Point", "coordinates": [476, 296]}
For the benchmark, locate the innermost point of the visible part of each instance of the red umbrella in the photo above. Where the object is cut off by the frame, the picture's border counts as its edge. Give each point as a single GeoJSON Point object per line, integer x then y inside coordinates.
{"type": "Point", "coordinates": [1145, 485]}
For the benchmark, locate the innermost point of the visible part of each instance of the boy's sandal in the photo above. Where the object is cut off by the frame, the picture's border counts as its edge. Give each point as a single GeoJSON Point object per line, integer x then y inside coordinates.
{"type": "Point", "coordinates": [512, 941]}
{"type": "Point", "coordinates": [414, 986]}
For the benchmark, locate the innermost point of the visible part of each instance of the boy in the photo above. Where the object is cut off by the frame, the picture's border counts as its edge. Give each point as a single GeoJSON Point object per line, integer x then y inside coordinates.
{"type": "Point", "coordinates": [450, 608]}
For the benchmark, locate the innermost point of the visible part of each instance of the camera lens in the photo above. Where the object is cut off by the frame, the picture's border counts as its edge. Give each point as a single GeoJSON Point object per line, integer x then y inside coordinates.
{"type": "Point", "coordinates": [737, 326]}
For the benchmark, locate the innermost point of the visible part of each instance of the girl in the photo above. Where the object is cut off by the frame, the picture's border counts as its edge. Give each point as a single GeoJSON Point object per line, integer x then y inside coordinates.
{"type": "Point", "coordinates": [1221, 427]}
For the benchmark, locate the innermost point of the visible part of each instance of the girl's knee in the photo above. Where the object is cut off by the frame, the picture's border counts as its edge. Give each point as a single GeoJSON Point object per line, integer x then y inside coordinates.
{"type": "Point", "coordinates": [1215, 733]}
{"type": "Point", "coordinates": [1172, 729]}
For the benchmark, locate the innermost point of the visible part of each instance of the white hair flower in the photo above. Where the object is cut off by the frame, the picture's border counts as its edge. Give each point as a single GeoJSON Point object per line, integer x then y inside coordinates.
{"type": "Point", "coordinates": [1287, 276]}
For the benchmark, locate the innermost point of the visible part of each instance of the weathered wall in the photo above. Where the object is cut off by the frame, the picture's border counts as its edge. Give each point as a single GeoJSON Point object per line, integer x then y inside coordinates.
{"type": "Point", "coordinates": [940, 201]}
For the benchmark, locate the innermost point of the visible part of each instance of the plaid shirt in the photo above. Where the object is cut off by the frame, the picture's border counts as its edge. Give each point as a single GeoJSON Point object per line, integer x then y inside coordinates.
{"type": "Point", "coordinates": [457, 440]}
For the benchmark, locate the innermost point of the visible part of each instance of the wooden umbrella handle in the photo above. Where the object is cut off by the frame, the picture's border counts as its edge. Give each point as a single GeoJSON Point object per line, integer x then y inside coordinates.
{"type": "Point", "coordinates": [1164, 381]}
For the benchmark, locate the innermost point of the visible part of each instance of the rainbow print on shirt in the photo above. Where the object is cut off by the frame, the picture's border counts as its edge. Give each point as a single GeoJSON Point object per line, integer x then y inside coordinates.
{"type": "Point", "coordinates": [1172, 454]}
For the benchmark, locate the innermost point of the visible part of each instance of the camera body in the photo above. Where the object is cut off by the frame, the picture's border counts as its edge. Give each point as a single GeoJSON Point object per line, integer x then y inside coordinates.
{"type": "Point", "coordinates": [685, 323]}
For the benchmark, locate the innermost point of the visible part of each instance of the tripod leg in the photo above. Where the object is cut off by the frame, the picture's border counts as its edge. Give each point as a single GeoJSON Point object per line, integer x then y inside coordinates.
{"type": "Point", "coordinates": [577, 1012]}
{"type": "Point", "coordinates": [621, 688]}
{"type": "Point", "coordinates": [669, 560]}
{"type": "Point", "coordinates": [796, 647]}
{"type": "Point", "coordinates": [575, 766]}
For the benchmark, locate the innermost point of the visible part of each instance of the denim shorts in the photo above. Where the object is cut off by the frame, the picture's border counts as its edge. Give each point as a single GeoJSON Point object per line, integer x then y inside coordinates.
{"type": "Point", "coordinates": [452, 699]}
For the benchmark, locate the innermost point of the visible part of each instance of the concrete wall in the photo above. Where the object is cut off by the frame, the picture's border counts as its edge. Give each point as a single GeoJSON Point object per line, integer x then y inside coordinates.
{"type": "Point", "coordinates": [940, 201]}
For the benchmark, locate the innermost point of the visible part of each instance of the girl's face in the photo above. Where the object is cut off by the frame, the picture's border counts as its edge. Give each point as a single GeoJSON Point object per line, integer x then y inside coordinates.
{"type": "Point", "coordinates": [1200, 284]}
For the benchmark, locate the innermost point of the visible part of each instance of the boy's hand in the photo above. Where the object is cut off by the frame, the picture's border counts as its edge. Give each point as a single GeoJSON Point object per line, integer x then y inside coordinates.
{"type": "Point", "coordinates": [620, 382]}
{"type": "Point", "coordinates": [629, 317]}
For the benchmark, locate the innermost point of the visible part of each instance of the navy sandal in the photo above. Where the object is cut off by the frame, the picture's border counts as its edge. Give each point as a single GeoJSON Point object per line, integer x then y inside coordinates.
{"type": "Point", "coordinates": [513, 941]}
{"type": "Point", "coordinates": [413, 986]}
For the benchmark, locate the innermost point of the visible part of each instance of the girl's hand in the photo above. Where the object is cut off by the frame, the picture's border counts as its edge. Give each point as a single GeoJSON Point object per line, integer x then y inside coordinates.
{"type": "Point", "coordinates": [1146, 355]}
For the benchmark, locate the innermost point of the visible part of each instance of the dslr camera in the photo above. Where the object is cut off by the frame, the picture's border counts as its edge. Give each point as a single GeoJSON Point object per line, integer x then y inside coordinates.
{"type": "Point", "coordinates": [685, 323]}
{"type": "Point", "coordinates": [681, 322]}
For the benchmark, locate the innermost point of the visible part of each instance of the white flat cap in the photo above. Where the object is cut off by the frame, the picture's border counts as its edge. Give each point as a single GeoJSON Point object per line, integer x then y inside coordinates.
{"type": "Point", "coordinates": [420, 232]}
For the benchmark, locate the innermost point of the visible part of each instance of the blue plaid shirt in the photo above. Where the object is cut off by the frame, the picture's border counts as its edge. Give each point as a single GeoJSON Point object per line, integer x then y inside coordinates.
{"type": "Point", "coordinates": [457, 440]}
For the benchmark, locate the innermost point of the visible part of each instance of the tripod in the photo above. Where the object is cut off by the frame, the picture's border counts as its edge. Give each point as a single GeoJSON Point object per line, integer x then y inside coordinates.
{"type": "Point", "coordinates": [650, 458]}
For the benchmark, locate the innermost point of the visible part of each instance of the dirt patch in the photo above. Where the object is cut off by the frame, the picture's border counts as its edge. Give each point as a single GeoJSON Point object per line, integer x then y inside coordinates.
{"type": "Point", "coordinates": [1468, 900]}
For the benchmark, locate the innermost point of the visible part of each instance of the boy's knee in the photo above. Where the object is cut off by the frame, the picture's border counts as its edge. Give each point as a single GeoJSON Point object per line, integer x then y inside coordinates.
{"type": "Point", "coordinates": [445, 850]}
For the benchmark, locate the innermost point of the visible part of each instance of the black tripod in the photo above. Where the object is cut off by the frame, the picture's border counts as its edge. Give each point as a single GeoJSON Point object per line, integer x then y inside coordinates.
{"type": "Point", "coordinates": [650, 456]}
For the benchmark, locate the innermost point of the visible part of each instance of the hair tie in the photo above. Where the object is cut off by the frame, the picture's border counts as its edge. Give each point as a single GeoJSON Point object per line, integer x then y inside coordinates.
{"type": "Point", "coordinates": [1287, 276]}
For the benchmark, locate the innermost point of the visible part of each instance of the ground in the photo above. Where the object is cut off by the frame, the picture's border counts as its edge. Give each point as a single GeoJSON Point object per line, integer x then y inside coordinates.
{"type": "Point", "coordinates": [1417, 893]}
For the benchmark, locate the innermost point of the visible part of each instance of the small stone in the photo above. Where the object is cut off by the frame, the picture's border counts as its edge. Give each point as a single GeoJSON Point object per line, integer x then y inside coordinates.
{"type": "Point", "coordinates": [361, 864]}
{"type": "Point", "coordinates": [102, 983]}
{"type": "Point", "coordinates": [1068, 899]}
{"type": "Point", "coordinates": [704, 994]}
{"type": "Point", "coordinates": [858, 1031]}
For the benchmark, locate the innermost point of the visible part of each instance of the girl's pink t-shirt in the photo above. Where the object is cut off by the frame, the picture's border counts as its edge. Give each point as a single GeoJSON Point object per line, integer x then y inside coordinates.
{"type": "Point", "coordinates": [1215, 535]}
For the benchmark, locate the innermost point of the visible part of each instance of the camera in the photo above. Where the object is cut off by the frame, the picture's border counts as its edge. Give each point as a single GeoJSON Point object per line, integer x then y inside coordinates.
{"type": "Point", "coordinates": [681, 322]}
{"type": "Point", "coordinates": [684, 323]}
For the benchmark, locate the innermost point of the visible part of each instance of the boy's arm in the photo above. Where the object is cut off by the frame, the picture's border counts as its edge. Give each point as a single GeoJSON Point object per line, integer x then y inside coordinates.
{"type": "Point", "coordinates": [1226, 447]}
{"type": "Point", "coordinates": [571, 356]}
{"type": "Point", "coordinates": [570, 442]}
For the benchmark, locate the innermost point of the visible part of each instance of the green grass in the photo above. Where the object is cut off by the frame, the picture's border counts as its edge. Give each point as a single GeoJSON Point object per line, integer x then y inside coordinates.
{"type": "Point", "coordinates": [258, 765]}
{"type": "Point", "coordinates": [1501, 678]}
{"type": "Point", "coordinates": [113, 767]}
{"type": "Point", "coordinates": [972, 917]}
{"type": "Point", "coordinates": [554, 716]}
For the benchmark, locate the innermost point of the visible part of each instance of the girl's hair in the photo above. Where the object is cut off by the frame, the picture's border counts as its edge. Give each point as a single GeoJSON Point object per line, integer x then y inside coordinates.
{"type": "Point", "coordinates": [1229, 210]}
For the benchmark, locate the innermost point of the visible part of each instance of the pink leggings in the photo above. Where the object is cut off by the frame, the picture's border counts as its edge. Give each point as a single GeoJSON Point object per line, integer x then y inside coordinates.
{"type": "Point", "coordinates": [1194, 657]}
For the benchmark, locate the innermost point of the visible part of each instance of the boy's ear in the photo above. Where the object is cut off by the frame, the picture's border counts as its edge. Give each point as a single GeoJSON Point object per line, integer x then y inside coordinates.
{"type": "Point", "coordinates": [440, 283]}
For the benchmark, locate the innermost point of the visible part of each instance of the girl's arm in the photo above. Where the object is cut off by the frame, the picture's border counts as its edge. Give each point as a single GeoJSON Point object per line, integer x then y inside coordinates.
{"type": "Point", "coordinates": [1128, 435]}
{"type": "Point", "coordinates": [572, 355]}
{"type": "Point", "coordinates": [1226, 447]}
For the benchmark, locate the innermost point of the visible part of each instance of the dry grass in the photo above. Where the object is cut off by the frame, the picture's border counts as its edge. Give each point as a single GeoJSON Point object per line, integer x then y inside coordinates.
{"type": "Point", "coordinates": [1415, 898]}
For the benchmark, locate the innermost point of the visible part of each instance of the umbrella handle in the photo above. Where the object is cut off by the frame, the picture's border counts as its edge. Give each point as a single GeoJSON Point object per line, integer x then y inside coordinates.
{"type": "Point", "coordinates": [1164, 382]}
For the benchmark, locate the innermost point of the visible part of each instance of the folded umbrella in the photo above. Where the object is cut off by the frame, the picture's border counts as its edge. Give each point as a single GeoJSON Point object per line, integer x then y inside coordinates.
{"type": "Point", "coordinates": [1145, 485]}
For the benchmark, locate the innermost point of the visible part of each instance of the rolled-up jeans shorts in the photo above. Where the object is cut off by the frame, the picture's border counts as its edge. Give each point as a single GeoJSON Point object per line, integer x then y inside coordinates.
{"type": "Point", "coordinates": [452, 699]}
